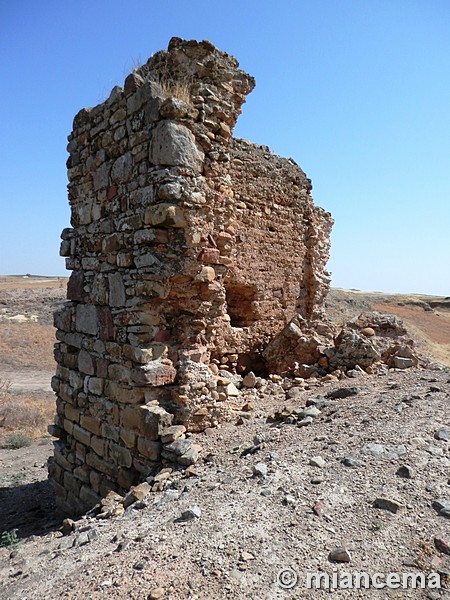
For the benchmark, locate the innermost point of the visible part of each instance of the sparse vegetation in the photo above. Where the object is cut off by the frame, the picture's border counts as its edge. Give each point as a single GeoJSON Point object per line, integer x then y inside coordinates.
{"type": "Point", "coordinates": [18, 440]}
{"type": "Point", "coordinates": [180, 89]}
{"type": "Point", "coordinates": [9, 538]}
{"type": "Point", "coordinates": [176, 89]}
{"type": "Point", "coordinates": [25, 415]}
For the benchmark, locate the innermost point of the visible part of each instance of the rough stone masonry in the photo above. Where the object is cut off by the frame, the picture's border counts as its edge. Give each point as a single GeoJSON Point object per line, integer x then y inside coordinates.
{"type": "Point", "coordinates": [189, 249]}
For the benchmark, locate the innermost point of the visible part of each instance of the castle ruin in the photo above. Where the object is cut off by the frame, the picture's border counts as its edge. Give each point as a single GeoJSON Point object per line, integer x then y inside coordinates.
{"type": "Point", "coordinates": [189, 249]}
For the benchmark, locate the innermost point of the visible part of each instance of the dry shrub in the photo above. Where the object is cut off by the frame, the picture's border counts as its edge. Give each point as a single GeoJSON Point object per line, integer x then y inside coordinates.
{"type": "Point", "coordinates": [27, 345]}
{"type": "Point", "coordinates": [5, 384]}
{"type": "Point", "coordinates": [29, 413]}
{"type": "Point", "coordinates": [175, 89]}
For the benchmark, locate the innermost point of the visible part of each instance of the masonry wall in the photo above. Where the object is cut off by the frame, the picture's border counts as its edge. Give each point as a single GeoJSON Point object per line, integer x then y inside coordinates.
{"type": "Point", "coordinates": [188, 249]}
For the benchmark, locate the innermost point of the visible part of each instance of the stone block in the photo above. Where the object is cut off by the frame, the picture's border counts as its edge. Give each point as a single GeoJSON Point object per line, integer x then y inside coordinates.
{"type": "Point", "coordinates": [122, 394]}
{"type": "Point", "coordinates": [118, 372]}
{"type": "Point", "coordinates": [101, 176]}
{"type": "Point", "coordinates": [95, 385]}
{"type": "Point", "coordinates": [147, 236]}
{"type": "Point", "coordinates": [101, 368]}
{"type": "Point", "coordinates": [128, 437]}
{"type": "Point", "coordinates": [210, 256]}
{"type": "Point", "coordinates": [92, 424]}
{"type": "Point", "coordinates": [127, 478]}
{"type": "Point", "coordinates": [88, 496]}
{"type": "Point", "coordinates": [172, 433]}
{"type": "Point", "coordinates": [124, 259]}
{"type": "Point", "coordinates": [75, 286]}
{"type": "Point", "coordinates": [99, 464]}
{"type": "Point", "coordinates": [82, 473]}
{"type": "Point", "coordinates": [120, 455]}
{"type": "Point", "coordinates": [206, 275]}
{"type": "Point", "coordinates": [122, 168]}
{"type": "Point", "coordinates": [154, 373]}
{"type": "Point", "coordinates": [60, 492]}
{"type": "Point", "coordinates": [174, 145]}
{"type": "Point", "coordinates": [68, 426]}
{"type": "Point", "coordinates": [132, 418]}
{"type": "Point", "coordinates": [86, 319]}
{"type": "Point", "coordinates": [62, 318]}
{"type": "Point", "coordinates": [106, 324]}
{"type": "Point", "coordinates": [71, 413]}
{"type": "Point", "coordinates": [66, 392]}
{"type": "Point", "coordinates": [110, 432]}
{"type": "Point", "coordinates": [154, 420]}
{"type": "Point", "coordinates": [149, 448]}
{"type": "Point", "coordinates": [165, 215]}
{"type": "Point", "coordinates": [82, 435]}
{"type": "Point", "coordinates": [402, 363]}
{"type": "Point", "coordinates": [76, 380]}
{"type": "Point", "coordinates": [73, 339]}
{"type": "Point", "coordinates": [94, 480]}
{"type": "Point", "coordinates": [86, 363]}
{"type": "Point", "coordinates": [117, 296]}
{"type": "Point", "coordinates": [146, 260]}
{"type": "Point", "coordinates": [107, 486]}
{"type": "Point", "coordinates": [55, 383]}
{"type": "Point", "coordinates": [61, 458]}
{"type": "Point", "coordinates": [71, 483]}
{"type": "Point", "coordinates": [98, 445]}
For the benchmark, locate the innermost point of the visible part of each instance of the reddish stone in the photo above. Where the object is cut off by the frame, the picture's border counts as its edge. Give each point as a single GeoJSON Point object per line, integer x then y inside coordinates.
{"type": "Point", "coordinates": [102, 367]}
{"type": "Point", "coordinates": [75, 286]}
{"type": "Point", "coordinates": [442, 544]}
{"type": "Point", "coordinates": [162, 336]}
{"type": "Point", "coordinates": [106, 326]}
{"type": "Point", "coordinates": [112, 191]}
{"type": "Point", "coordinates": [318, 508]}
{"type": "Point", "coordinates": [210, 255]}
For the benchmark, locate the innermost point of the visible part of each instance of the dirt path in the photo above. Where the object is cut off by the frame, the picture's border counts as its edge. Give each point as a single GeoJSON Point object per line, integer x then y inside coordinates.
{"type": "Point", "coordinates": [27, 380]}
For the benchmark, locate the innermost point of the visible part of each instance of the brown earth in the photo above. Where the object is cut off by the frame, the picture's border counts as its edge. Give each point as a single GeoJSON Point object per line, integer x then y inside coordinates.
{"type": "Point", "coordinates": [250, 526]}
{"type": "Point", "coordinates": [31, 282]}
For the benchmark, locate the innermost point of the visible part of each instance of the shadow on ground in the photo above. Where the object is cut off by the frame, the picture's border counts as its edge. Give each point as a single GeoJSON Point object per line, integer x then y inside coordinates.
{"type": "Point", "coordinates": [30, 508]}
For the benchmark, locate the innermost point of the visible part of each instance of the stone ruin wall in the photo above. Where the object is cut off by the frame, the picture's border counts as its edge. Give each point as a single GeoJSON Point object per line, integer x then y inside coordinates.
{"type": "Point", "coordinates": [188, 249]}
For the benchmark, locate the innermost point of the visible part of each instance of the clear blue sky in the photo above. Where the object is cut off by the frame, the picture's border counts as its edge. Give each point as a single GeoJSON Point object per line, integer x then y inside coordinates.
{"type": "Point", "coordinates": [356, 91]}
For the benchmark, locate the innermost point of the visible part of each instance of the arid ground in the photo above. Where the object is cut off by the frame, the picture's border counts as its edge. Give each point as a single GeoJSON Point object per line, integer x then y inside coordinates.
{"type": "Point", "coordinates": [266, 502]}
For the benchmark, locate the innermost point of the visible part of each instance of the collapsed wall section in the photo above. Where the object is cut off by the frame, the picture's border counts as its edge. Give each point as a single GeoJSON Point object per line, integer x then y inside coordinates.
{"type": "Point", "coordinates": [187, 249]}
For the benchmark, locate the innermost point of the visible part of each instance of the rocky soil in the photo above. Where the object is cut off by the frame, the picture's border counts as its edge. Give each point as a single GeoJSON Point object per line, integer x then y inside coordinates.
{"type": "Point", "coordinates": [365, 469]}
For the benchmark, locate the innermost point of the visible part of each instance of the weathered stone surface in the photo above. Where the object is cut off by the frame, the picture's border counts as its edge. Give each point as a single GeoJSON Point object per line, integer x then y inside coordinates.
{"type": "Point", "coordinates": [122, 168]}
{"type": "Point", "coordinates": [174, 144]}
{"type": "Point", "coordinates": [155, 373]}
{"type": "Point", "coordinates": [351, 349]}
{"type": "Point", "coordinates": [138, 493]}
{"type": "Point", "coordinates": [87, 319]}
{"type": "Point", "coordinates": [116, 290]}
{"type": "Point", "coordinates": [402, 363]}
{"type": "Point", "coordinates": [388, 504]}
{"type": "Point", "coordinates": [340, 554]}
{"type": "Point", "coordinates": [149, 448]}
{"type": "Point", "coordinates": [154, 421]}
{"type": "Point", "coordinates": [298, 343]}
{"type": "Point", "coordinates": [167, 215]}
